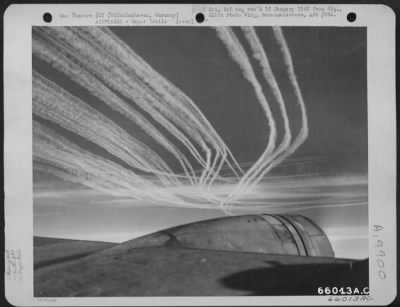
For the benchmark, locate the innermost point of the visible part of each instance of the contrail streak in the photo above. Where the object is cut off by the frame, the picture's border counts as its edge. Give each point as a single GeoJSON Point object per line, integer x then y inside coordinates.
{"type": "Point", "coordinates": [159, 84]}
{"type": "Point", "coordinates": [101, 63]}
{"type": "Point", "coordinates": [115, 77]}
{"type": "Point", "coordinates": [260, 55]}
{"type": "Point", "coordinates": [239, 55]}
{"type": "Point", "coordinates": [195, 131]}
{"type": "Point", "coordinates": [53, 103]}
{"type": "Point", "coordinates": [302, 136]}
{"type": "Point", "coordinates": [102, 92]}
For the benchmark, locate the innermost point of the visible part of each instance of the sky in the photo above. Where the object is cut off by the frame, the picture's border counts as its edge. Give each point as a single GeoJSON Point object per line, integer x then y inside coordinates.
{"type": "Point", "coordinates": [330, 64]}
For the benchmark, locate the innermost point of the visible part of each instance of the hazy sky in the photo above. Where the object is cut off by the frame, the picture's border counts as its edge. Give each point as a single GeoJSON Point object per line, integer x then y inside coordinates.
{"type": "Point", "coordinates": [331, 67]}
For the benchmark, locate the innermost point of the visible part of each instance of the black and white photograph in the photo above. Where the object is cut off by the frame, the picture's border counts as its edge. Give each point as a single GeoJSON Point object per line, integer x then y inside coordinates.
{"type": "Point", "coordinates": [212, 161]}
{"type": "Point", "coordinates": [196, 155]}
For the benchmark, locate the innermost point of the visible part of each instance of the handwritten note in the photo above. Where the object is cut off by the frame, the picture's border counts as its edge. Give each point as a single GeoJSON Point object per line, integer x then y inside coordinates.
{"type": "Point", "coordinates": [13, 264]}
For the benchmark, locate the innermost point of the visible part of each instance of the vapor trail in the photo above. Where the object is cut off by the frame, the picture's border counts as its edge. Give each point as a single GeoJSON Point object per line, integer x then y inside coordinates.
{"type": "Point", "coordinates": [98, 61]}
{"type": "Point", "coordinates": [238, 54]}
{"type": "Point", "coordinates": [255, 173]}
{"type": "Point", "coordinates": [159, 84]}
{"type": "Point", "coordinates": [188, 121]}
{"type": "Point", "coordinates": [102, 92]}
{"type": "Point", "coordinates": [115, 77]}
{"type": "Point", "coordinates": [55, 154]}
{"type": "Point", "coordinates": [260, 55]}
{"type": "Point", "coordinates": [55, 104]}
{"type": "Point", "coordinates": [303, 133]}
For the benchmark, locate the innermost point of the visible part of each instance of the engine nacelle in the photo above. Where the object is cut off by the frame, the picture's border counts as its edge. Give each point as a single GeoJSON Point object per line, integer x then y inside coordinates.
{"type": "Point", "coordinates": [284, 234]}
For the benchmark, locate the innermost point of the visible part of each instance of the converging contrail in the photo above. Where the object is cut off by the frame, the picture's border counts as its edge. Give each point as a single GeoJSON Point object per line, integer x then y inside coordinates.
{"type": "Point", "coordinates": [98, 61]}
